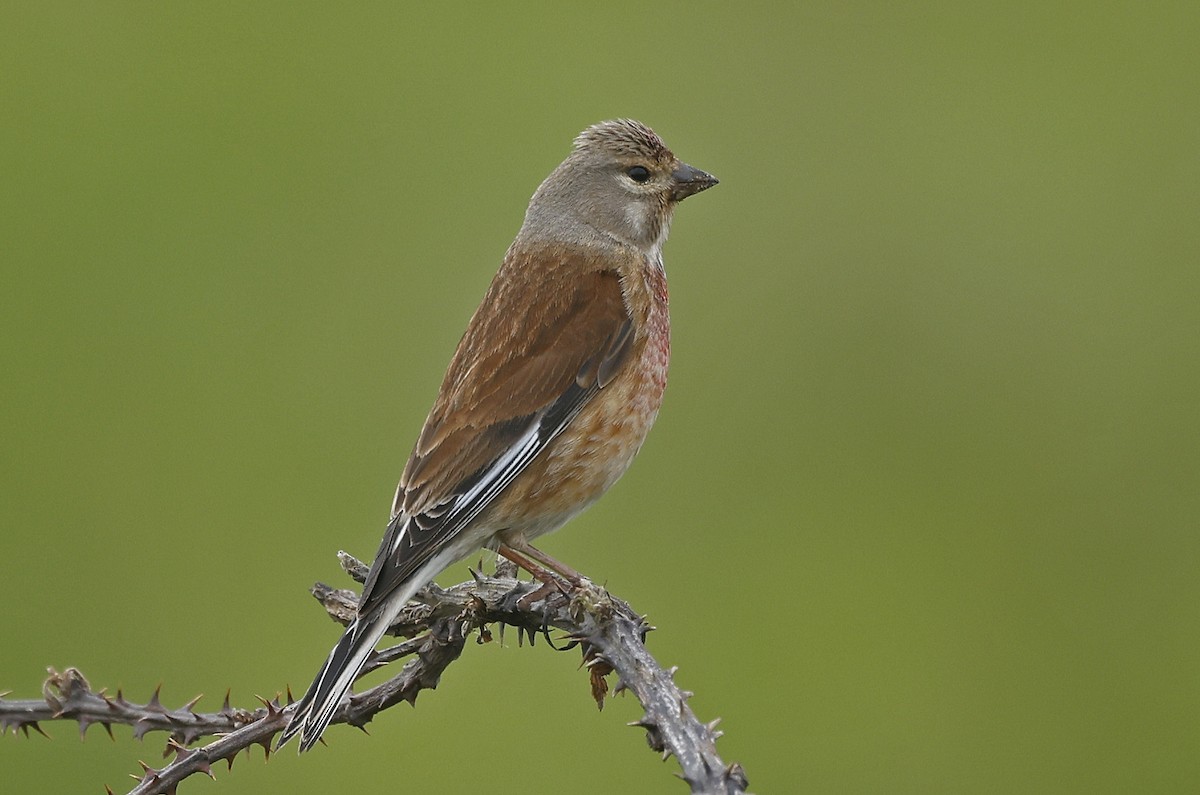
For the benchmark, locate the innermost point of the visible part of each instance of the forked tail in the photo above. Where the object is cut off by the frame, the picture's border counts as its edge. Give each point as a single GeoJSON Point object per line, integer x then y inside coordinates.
{"type": "Point", "coordinates": [348, 657]}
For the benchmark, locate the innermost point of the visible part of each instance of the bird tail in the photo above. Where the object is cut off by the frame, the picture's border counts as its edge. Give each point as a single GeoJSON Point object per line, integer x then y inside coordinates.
{"type": "Point", "coordinates": [316, 709]}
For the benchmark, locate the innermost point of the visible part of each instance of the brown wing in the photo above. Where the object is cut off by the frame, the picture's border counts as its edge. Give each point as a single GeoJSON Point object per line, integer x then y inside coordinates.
{"type": "Point", "coordinates": [544, 340]}
{"type": "Point", "coordinates": [538, 330]}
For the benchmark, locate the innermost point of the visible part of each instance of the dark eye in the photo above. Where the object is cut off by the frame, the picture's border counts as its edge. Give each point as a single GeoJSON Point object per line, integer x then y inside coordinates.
{"type": "Point", "coordinates": [638, 173]}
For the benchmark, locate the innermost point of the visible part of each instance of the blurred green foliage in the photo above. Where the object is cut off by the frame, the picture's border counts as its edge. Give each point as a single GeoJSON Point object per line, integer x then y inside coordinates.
{"type": "Point", "coordinates": [921, 511]}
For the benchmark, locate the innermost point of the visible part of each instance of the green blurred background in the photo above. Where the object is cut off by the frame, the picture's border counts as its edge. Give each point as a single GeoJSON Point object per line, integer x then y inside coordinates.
{"type": "Point", "coordinates": [920, 513]}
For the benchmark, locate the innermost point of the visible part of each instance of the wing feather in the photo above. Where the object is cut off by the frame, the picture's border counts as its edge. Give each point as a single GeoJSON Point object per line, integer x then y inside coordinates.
{"type": "Point", "coordinates": [543, 342]}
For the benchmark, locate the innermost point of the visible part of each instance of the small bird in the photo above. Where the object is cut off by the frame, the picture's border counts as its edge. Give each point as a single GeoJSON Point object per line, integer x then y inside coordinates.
{"type": "Point", "coordinates": [549, 396]}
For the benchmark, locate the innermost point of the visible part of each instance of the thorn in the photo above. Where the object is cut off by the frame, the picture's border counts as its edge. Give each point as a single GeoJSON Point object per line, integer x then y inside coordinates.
{"type": "Point", "coordinates": [290, 699]}
{"type": "Point", "coordinates": [108, 789]}
{"type": "Point", "coordinates": [272, 706]}
{"type": "Point", "coordinates": [643, 722]}
{"type": "Point", "coordinates": [570, 645]}
{"type": "Point", "coordinates": [108, 728]}
{"type": "Point", "coordinates": [154, 704]}
{"type": "Point", "coordinates": [684, 695]}
{"type": "Point", "coordinates": [666, 754]}
{"type": "Point", "coordinates": [188, 706]}
{"type": "Point", "coordinates": [183, 753]}
{"type": "Point", "coordinates": [672, 671]}
{"type": "Point", "coordinates": [226, 710]}
{"type": "Point", "coordinates": [25, 727]}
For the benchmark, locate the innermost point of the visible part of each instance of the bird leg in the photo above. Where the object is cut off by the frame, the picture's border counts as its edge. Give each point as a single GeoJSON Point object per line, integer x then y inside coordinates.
{"type": "Point", "coordinates": [529, 557]}
{"type": "Point", "coordinates": [549, 580]}
{"type": "Point", "coordinates": [551, 583]}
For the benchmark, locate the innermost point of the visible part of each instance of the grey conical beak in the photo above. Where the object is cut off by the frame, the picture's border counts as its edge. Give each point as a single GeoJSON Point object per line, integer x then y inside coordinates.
{"type": "Point", "coordinates": [688, 180]}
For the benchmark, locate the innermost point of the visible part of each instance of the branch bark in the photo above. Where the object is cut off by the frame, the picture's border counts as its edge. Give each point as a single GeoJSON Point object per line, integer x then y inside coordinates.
{"type": "Point", "coordinates": [609, 633]}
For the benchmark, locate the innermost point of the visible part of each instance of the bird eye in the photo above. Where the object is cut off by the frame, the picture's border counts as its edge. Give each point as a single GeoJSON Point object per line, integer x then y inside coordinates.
{"type": "Point", "coordinates": [638, 173]}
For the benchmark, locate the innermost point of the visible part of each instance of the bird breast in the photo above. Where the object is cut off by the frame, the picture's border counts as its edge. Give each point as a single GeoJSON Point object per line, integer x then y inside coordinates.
{"type": "Point", "coordinates": [592, 453]}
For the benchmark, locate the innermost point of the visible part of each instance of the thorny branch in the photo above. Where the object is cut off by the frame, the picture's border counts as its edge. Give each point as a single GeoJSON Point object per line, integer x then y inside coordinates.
{"type": "Point", "coordinates": [609, 633]}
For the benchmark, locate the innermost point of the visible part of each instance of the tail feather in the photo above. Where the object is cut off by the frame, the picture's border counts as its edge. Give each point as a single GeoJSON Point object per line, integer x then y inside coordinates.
{"type": "Point", "coordinates": [314, 712]}
{"type": "Point", "coordinates": [316, 709]}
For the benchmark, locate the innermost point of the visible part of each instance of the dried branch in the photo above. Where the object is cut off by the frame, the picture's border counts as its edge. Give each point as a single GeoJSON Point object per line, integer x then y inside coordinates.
{"type": "Point", "coordinates": [609, 633]}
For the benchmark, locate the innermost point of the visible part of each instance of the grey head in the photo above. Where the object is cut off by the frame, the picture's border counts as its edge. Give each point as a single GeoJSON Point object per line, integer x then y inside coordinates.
{"type": "Point", "coordinates": [619, 182]}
